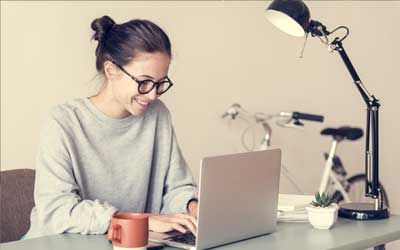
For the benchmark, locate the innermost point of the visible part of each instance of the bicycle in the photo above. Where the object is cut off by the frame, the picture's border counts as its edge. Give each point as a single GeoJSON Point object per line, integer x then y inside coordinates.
{"type": "Point", "coordinates": [334, 178]}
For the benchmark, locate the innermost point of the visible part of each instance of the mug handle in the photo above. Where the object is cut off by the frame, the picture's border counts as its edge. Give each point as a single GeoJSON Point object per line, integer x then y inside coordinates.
{"type": "Point", "coordinates": [114, 233]}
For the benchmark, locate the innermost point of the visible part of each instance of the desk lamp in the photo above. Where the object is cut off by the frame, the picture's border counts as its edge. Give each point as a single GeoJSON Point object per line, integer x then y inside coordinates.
{"type": "Point", "coordinates": [293, 18]}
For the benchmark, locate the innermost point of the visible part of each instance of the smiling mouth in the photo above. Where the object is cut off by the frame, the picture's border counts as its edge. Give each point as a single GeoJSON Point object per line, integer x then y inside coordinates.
{"type": "Point", "coordinates": [141, 103]}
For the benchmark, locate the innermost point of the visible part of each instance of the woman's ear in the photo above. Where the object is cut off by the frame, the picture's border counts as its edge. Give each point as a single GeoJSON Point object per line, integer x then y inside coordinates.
{"type": "Point", "coordinates": [111, 71]}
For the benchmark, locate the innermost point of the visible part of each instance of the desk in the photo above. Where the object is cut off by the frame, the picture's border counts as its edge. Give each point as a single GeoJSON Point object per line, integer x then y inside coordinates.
{"type": "Point", "coordinates": [346, 234]}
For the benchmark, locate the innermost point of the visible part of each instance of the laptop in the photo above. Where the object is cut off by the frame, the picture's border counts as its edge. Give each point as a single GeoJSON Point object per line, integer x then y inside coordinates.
{"type": "Point", "coordinates": [238, 199]}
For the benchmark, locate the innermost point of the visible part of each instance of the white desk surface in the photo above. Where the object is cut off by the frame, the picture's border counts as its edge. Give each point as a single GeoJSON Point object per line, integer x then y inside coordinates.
{"type": "Point", "coordinates": [345, 234]}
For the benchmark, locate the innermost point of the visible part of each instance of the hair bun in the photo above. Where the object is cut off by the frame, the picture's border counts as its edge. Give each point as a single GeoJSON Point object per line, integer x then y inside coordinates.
{"type": "Point", "coordinates": [101, 26]}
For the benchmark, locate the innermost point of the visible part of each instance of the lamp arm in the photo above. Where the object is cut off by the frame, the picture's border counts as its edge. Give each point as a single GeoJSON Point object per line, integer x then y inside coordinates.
{"type": "Point", "coordinates": [338, 46]}
{"type": "Point", "coordinates": [372, 188]}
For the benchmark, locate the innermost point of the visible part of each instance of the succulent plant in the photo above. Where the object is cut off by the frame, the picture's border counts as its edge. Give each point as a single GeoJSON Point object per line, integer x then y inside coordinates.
{"type": "Point", "coordinates": [322, 200]}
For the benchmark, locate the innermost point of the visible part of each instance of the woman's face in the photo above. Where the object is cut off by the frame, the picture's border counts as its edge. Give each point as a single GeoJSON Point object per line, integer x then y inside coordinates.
{"type": "Point", "coordinates": [144, 66]}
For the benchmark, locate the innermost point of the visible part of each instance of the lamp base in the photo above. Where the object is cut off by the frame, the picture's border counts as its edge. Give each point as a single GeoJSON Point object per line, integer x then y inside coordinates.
{"type": "Point", "coordinates": [362, 211]}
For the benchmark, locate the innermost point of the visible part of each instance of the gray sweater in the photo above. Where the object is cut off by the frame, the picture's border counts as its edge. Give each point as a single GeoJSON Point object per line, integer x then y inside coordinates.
{"type": "Point", "coordinates": [90, 165]}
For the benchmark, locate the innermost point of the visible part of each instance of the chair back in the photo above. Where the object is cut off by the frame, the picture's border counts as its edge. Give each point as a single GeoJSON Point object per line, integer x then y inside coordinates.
{"type": "Point", "coordinates": [16, 203]}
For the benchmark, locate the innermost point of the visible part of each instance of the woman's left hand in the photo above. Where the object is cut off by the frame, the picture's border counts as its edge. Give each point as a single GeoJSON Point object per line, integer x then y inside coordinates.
{"type": "Point", "coordinates": [192, 207]}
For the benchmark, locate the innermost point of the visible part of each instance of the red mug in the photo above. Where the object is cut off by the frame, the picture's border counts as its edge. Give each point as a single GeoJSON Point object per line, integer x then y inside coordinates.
{"type": "Point", "coordinates": [129, 231]}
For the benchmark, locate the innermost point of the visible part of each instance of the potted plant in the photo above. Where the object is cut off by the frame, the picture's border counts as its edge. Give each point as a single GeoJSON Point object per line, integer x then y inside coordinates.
{"type": "Point", "coordinates": [322, 213]}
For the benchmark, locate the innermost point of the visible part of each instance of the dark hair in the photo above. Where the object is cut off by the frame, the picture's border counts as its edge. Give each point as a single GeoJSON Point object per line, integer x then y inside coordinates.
{"type": "Point", "coordinates": [121, 42]}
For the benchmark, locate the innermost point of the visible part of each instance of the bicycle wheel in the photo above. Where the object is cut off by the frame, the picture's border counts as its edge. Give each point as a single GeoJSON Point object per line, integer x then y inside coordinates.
{"type": "Point", "coordinates": [356, 190]}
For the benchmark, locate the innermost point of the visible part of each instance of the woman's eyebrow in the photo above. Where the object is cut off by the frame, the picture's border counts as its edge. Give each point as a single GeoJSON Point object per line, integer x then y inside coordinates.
{"type": "Point", "coordinates": [147, 76]}
{"type": "Point", "coordinates": [153, 77]}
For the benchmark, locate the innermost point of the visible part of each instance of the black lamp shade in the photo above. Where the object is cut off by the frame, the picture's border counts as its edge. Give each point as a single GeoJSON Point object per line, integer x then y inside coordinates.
{"type": "Point", "coordinates": [290, 16]}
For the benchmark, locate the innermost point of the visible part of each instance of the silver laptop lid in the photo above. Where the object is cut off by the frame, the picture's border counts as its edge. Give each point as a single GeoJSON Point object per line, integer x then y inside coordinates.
{"type": "Point", "coordinates": [238, 197]}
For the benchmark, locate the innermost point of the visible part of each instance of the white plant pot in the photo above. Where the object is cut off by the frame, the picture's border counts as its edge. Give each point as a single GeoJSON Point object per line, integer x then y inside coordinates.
{"type": "Point", "coordinates": [323, 217]}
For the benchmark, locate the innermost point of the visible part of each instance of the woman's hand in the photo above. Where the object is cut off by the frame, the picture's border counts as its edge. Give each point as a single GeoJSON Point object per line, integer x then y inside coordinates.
{"type": "Point", "coordinates": [169, 222]}
{"type": "Point", "coordinates": [192, 207]}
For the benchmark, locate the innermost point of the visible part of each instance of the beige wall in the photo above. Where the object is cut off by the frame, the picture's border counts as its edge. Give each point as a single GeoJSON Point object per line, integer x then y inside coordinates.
{"type": "Point", "coordinates": [224, 52]}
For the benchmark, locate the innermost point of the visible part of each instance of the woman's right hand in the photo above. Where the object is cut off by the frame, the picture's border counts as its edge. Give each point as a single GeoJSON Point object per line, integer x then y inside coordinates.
{"type": "Point", "coordinates": [169, 222]}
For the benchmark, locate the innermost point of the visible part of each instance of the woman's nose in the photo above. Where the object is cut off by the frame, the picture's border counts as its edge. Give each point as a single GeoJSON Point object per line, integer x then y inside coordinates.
{"type": "Point", "coordinates": [152, 95]}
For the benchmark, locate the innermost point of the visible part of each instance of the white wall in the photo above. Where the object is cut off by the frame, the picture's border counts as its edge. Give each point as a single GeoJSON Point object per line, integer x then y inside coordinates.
{"type": "Point", "coordinates": [224, 52]}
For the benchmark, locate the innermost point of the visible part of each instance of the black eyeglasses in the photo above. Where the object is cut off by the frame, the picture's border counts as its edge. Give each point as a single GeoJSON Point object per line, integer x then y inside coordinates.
{"type": "Point", "coordinates": [147, 85]}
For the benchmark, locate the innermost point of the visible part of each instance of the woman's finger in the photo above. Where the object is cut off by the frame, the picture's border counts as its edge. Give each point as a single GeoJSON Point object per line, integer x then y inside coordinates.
{"type": "Point", "coordinates": [188, 223]}
{"type": "Point", "coordinates": [178, 227]}
{"type": "Point", "coordinates": [187, 216]}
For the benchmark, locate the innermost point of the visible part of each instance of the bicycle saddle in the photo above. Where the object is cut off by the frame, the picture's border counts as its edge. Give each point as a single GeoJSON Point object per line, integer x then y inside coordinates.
{"type": "Point", "coordinates": [344, 133]}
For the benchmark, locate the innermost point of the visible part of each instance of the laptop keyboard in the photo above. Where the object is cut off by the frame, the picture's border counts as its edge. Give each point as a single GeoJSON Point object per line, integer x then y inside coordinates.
{"type": "Point", "coordinates": [187, 238]}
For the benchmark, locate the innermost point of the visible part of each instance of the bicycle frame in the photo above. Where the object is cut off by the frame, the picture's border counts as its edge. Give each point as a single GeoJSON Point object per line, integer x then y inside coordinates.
{"type": "Point", "coordinates": [329, 178]}
{"type": "Point", "coordinates": [329, 175]}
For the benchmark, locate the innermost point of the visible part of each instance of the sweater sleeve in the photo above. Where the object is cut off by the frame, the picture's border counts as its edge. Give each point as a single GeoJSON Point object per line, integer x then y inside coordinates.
{"type": "Point", "coordinates": [59, 205]}
{"type": "Point", "coordinates": [179, 186]}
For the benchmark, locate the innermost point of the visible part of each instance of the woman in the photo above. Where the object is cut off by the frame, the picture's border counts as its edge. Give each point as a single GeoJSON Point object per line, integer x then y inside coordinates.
{"type": "Point", "coordinates": [115, 151]}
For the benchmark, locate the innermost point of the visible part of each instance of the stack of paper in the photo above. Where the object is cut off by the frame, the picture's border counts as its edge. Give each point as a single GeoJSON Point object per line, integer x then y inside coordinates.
{"type": "Point", "coordinates": [293, 216]}
{"type": "Point", "coordinates": [292, 207]}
